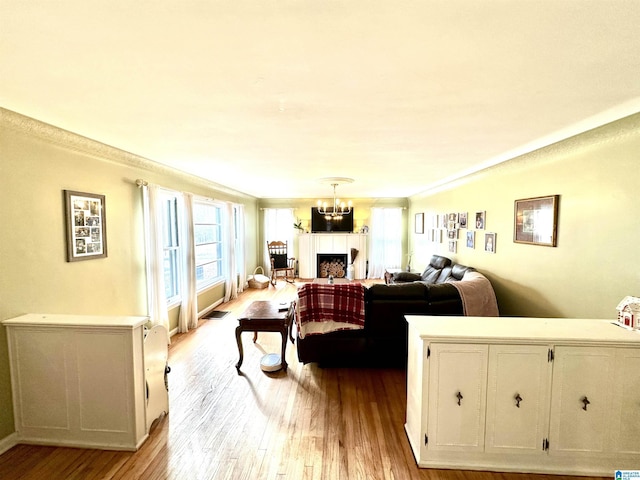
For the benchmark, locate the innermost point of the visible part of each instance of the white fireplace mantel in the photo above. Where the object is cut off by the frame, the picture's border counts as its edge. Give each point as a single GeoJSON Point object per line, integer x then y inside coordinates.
{"type": "Point", "coordinates": [312, 244]}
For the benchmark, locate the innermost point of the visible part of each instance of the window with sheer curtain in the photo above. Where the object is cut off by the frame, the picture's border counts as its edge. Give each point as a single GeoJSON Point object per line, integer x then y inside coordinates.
{"type": "Point", "coordinates": [385, 240]}
{"type": "Point", "coordinates": [278, 225]}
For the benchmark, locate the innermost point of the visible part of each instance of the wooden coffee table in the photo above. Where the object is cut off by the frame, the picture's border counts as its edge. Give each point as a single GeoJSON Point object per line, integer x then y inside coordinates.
{"type": "Point", "coordinates": [265, 316]}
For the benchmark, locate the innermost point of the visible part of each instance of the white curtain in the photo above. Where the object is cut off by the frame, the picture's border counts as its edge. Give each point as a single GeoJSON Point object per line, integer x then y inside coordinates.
{"type": "Point", "coordinates": [234, 251]}
{"type": "Point", "coordinates": [156, 296]}
{"type": "Point", "coordinates": [189, 308]}
{"type": "Point", "coordinates": [385, 240]}
{"type": "Point", "coordinates": [278, 225]}
{"type": "Point", "coordinates": [241, 268]}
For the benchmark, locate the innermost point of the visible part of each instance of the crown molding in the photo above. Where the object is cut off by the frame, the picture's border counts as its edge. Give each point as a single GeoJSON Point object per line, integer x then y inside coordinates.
{"type": "Point", "coordinates": [72, 141]}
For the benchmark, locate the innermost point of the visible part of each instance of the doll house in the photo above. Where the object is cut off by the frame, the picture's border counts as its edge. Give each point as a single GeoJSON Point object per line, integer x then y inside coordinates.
{"type": "Point", "coordinates": [629, 312]}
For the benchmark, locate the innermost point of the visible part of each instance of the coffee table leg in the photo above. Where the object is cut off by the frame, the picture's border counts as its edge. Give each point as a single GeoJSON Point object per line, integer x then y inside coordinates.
{"type": "Point", "coordinates": [283, 360]}
{"type": "Point", "coordinates": [239, 341]}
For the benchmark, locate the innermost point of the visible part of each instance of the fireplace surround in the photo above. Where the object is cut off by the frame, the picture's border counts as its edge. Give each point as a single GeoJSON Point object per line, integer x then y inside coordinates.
{"type": "Point", "coordinates": [310, 245]}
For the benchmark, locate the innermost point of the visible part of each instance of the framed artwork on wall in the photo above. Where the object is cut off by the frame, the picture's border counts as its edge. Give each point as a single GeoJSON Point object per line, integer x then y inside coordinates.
{"type": "Point", "coordinates": [535, 220]}
{"type": "Point", "coordinates": [490, 242]}
{"type": "Point", "coordinates": [419, 223]}
{"type": "Point", "coordinates": [462, 219]}
{"type": "Point", "coordinates": [480, 220]}
{"type": "Point", "coordinates": [471, 239]}
{"type": "Point", "coordinates": [86, 226]}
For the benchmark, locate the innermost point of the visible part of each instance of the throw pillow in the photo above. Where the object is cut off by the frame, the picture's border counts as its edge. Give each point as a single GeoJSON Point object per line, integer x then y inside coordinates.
{"type": "Point", "coordinates": [279, 260]}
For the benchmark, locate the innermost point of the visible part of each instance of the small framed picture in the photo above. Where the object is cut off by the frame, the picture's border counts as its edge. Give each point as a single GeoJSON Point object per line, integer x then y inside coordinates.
{"type": "Point", "coordinates": [471, 239]}
{"type": "Point", "coordinates": [453, 246]}
{"type": "Point", "coordinates": [490, 242]}
{"type": "Point", "coordinates": [480, 220]}
{"type": "Point", "coordinates": [86, 226]}
{"type": "Point", "coordinates": [419, 223]}
{"type": "Point", "coordinates": [462, 219]}
{"type": "Point", "coordinates": [452, 234]}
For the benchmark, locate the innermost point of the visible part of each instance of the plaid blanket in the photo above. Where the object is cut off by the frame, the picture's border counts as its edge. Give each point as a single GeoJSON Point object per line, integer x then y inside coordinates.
{"type": "Point", "coordinates": [324, 308]}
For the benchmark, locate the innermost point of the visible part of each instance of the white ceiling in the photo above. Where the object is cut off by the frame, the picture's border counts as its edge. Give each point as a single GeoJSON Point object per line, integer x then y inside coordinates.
{"type": "Point", "coordinates": [267, 96]}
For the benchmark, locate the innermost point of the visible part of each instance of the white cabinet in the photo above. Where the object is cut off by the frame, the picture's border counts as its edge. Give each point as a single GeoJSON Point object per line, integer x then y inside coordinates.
{"type": "Point", "coordinates": [523, 394]}
{"type": "Point", "coordinates": [458, 380]}
{"type": "Point", "coordinates": [625, 398]}
{"type": "Point", "coordinates": [80, 380]}
{"type": "Point", "coordinates": [518, 402]}
{"type": "Point", "coordinates": [596, 402]}
{"type": "Point", "coordinates": [581, 400]}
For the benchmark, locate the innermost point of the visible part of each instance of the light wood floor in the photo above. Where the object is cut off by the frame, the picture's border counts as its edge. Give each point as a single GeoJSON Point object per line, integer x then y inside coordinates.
{"type": "Point", "coordinates": [307, 423]}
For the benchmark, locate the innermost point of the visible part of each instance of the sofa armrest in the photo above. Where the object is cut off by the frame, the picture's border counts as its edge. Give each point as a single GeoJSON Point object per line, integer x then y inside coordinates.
{"type": "Point", "coordinates": [403, 277]}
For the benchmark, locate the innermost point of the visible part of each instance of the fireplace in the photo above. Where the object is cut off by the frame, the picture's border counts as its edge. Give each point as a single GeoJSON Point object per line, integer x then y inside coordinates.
{"type": "Point", "coordinates": [331, 264]}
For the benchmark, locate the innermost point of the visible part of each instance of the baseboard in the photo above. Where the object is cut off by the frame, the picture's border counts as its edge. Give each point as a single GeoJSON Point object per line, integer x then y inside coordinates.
{"type": "Point", "coordinates": [201, 314]}
{"type": "Point", "coordinates": [204, 312]}
{"type": "Point", "coordinates": [8, 442]}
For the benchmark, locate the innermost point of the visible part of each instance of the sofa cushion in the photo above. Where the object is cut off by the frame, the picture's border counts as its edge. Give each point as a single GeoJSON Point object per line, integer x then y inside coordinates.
{"type": "Point", "coordinates": [458, 271]}
{"type": "Point", "coordinates": [439, 262]}
{"type": "Point", "coordinates": [440, 291]}
{"type": "Point", "coordinates": [430, 274]}
{"type": "Point", "coordinates": [433, 271]}
{"type": "Point", "coordinates": [445, 274]}
{"type": "Point", "coordinates": [400, 291]}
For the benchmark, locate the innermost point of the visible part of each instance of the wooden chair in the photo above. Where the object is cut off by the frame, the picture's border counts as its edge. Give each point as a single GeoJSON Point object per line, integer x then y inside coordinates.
{"type": "Point", "coordinates": [281, 263]}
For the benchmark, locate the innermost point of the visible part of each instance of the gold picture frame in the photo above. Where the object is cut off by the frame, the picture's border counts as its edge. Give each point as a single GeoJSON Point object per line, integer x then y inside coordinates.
{"type": "Point", "coordinates": [536, 220]}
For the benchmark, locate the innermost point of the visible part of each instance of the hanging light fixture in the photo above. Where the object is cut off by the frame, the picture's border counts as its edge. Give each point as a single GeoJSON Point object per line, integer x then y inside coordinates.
{"type": "Point", "coordinates": [336, 210]}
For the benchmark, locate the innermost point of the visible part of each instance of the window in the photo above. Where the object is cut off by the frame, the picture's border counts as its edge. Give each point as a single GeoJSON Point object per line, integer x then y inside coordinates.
{"type": "Point", "coordinates": [385, 240]}
{"type": "Point", "coordinates": [207, 219]}
{"type": "Point", "coordinates": [277, 226]}
{"type": "Point", "coordinates": [171, 246]}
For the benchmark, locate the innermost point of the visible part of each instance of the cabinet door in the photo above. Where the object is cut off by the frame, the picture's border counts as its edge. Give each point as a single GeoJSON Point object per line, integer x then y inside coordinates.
{"type": "Point", "coordinates": [625, 405]}
{"type": "Point", "coordinates": [457, 397]}
{"type": "Point", "coordinates": [519, 381]}
{"type": "Point", "coordinates": [580, 399]}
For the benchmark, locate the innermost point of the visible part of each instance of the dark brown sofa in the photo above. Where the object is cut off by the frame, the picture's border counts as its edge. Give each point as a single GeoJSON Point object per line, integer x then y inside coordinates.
{"type": "Point", "coordinates": [383, 340]}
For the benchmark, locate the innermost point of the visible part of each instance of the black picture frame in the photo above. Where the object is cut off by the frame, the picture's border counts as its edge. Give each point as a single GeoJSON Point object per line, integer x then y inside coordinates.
{"type": "Point", "coordinates": [86, 225]}
{"type": "Point", "coordinates": [536, 220]}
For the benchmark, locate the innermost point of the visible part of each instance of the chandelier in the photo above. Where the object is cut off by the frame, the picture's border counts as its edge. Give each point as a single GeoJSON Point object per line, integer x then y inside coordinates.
{"type": "Point", "coordinates": [336, 210]}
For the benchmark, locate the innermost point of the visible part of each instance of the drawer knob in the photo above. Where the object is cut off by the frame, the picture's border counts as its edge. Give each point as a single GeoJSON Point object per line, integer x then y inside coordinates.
{"type": "Point", "coordinates": [459, 397]}
{"type": "Point", "coordinates": [586, 402]}
{"type": "Point", "coordinates": [518, 399]}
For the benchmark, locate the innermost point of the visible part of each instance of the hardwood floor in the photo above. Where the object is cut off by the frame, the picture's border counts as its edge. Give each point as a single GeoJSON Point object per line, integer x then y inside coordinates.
{"type": "Point", "coordinates": [307, 423]}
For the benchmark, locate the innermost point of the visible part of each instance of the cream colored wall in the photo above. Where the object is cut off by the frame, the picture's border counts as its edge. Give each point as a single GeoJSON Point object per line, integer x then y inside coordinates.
{"type": "Point", "coordinates": [38, 162]}
{"type": "Point", "coordinates": [597, 259]}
